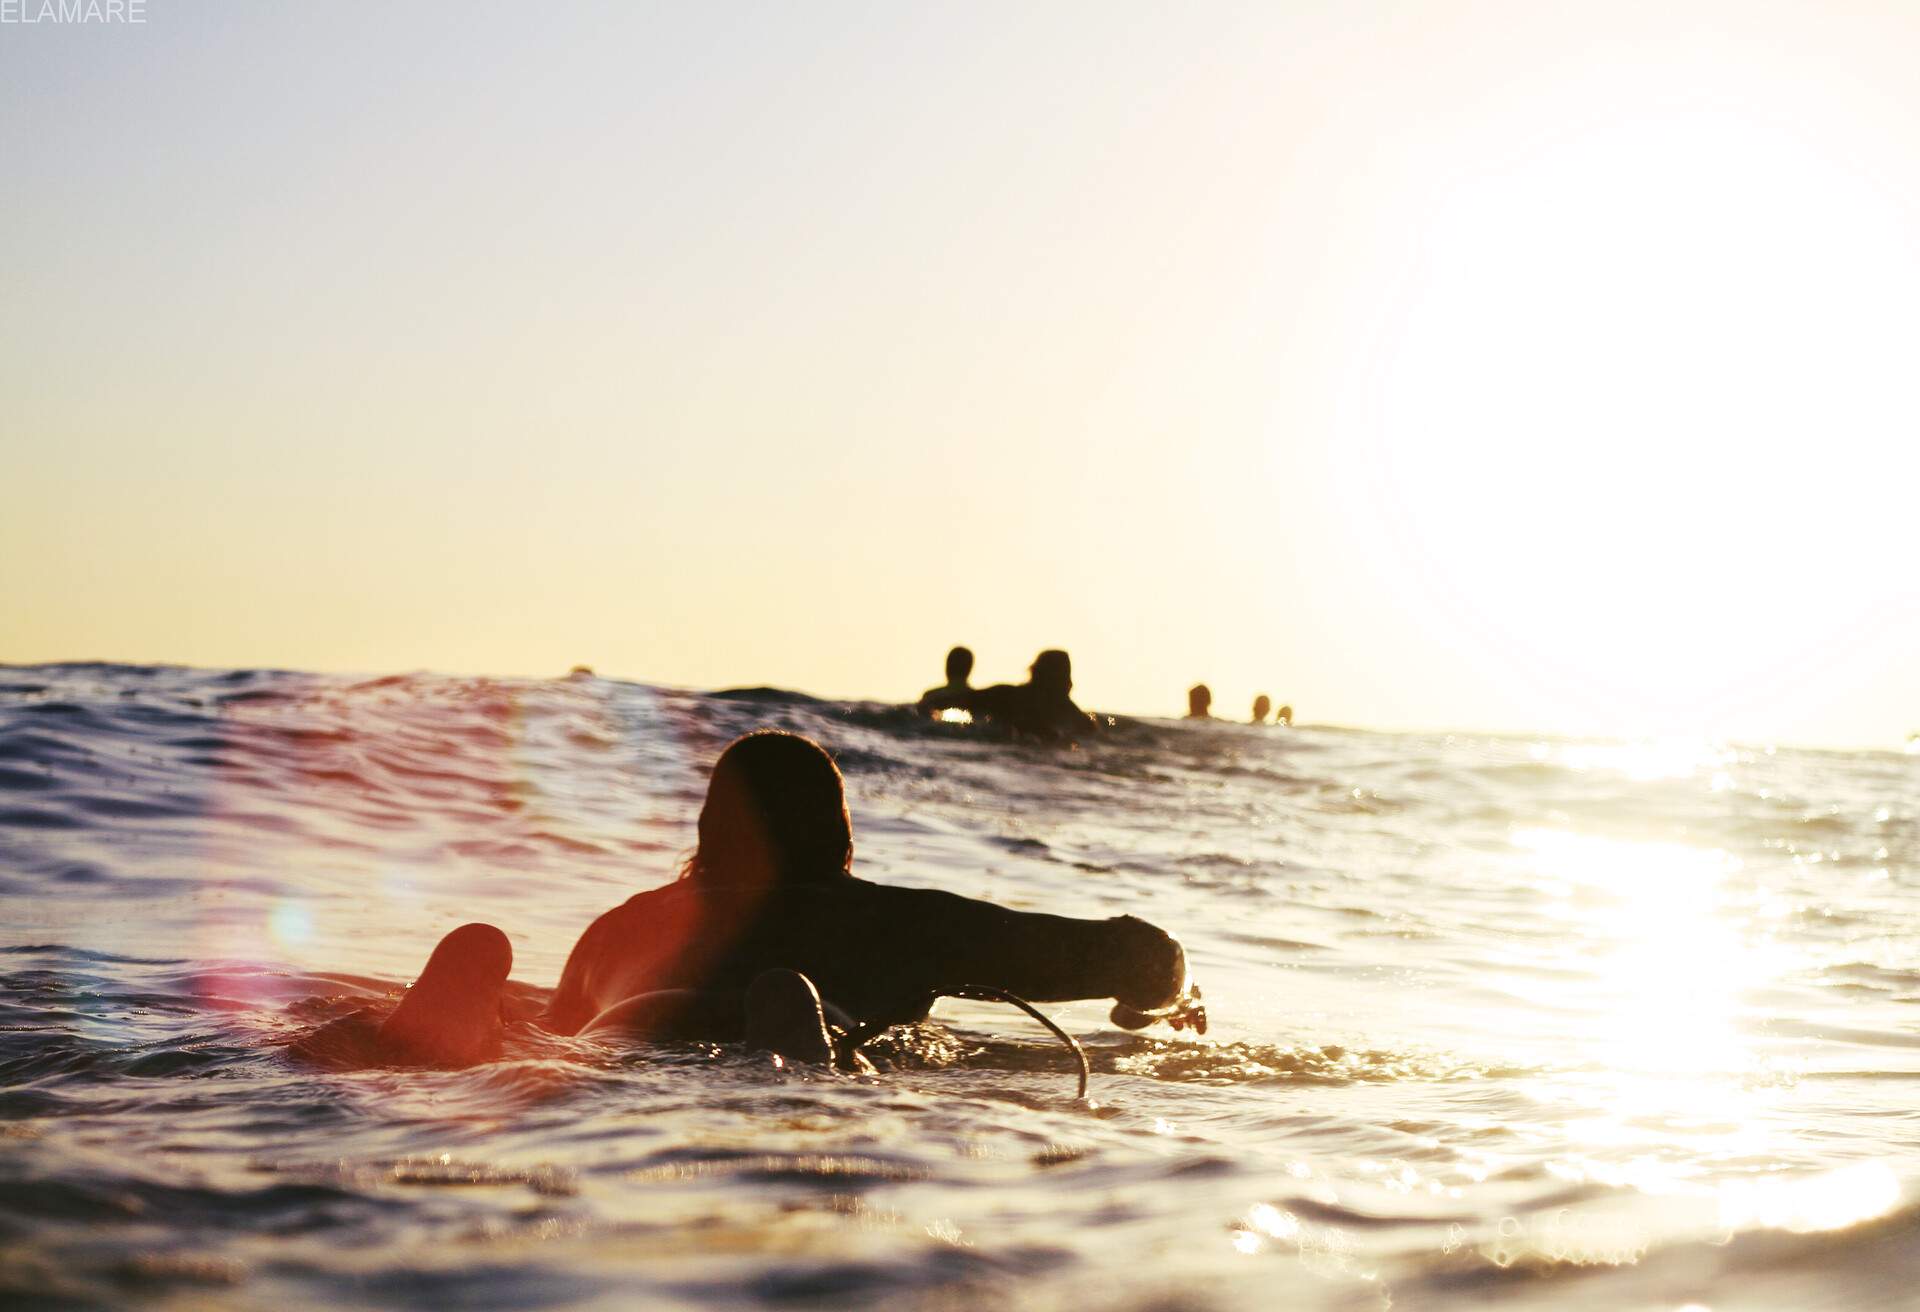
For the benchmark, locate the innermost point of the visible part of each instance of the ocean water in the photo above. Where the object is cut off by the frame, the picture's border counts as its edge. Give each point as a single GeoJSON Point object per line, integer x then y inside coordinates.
{"type": "Point", "coordinates": [1496, 1021]}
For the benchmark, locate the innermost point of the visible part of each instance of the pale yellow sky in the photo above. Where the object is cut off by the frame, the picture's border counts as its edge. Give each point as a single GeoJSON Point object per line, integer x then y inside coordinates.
{"type": "Point", "coordinates": [1505, 366]}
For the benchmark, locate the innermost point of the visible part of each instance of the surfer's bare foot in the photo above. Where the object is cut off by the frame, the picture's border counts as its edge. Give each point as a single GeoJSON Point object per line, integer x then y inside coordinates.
{"type": "Point", "coordinates": [784, 1017]}
{"type": "Point", "coordinates": [451, 1015]}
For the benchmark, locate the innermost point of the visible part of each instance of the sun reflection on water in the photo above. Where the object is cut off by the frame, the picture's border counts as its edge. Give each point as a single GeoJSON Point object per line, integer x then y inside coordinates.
{"type": "Point", "coordinates": [1664, 962]}
{"type": "Point", "coordinates": [1660, 960]}
{"type": "Point", "coordinates": [1665, 945]}
{"type": "Point", "coordinates": [1658, 758]}
{"type": "Point", "coordinates": [1831, 1200]}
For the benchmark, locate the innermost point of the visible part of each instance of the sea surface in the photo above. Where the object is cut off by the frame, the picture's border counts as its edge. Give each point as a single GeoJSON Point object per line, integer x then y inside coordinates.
{"type": "Point", "coordinates": [1506, 1022]}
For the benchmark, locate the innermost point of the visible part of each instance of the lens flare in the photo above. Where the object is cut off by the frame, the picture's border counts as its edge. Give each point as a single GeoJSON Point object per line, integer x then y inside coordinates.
{"type": "Point", "coordinates": [290, 923]}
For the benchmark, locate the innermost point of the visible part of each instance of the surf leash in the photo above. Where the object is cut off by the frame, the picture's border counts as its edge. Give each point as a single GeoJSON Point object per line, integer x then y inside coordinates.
{"type": "Point", "coordinates": [976, 993]}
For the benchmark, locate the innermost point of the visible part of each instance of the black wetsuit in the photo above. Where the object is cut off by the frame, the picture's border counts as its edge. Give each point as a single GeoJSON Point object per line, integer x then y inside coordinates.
{"type": "Point", "coordinates": [877, 952]}
{"type": "Point", "coordinates": [947, 697]}
{"type": "Point", "coordinates": [1029, 709]}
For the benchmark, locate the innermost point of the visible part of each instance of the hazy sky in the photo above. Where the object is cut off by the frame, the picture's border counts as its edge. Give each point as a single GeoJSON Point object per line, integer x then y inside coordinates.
{"type": "Point", "coordinates": [1533, 366]}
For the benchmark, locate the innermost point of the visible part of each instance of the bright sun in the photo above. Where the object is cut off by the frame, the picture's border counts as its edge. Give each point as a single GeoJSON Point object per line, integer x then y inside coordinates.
{"type": "Point", "coordinates": [1635, 423]}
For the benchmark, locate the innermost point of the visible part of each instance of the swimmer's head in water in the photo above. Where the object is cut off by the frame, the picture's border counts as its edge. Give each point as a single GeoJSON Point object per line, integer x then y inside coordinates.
{"type": "Point", "coordinates": [776, 813]}
{"type": "Point", "coordinates": [1199, 700]}
{"type": "Point", "coordinates": [1052, 671]}
{"type": "Point", "coordinates": [959, 665]}
{"type": "Point", "coordinates": [1261, 705]}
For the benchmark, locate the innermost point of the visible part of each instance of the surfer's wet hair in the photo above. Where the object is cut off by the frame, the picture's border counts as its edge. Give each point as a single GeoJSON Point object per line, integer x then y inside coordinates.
{"type": "Point", "coordinates": [1052, 670]}
{"type": "Point", "coordinates": [776, 813]}
{"type": "Point", "coordinates": [959, 664]}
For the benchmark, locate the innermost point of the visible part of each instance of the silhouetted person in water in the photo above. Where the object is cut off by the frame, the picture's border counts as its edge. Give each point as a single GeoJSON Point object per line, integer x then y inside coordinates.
{"type": "Point", "coordinates": [768, 934]}
{"type": "Point", "coordinates": [956, 694]}
{"type": "Point", "coordinates": [1199, 702]}
{"type": "Point", "coordinates": [1042, 705]}
{"type": "Point", "coordinates": [1284, 716]}
{"type": "Point", "coordinates": [1261, 705]}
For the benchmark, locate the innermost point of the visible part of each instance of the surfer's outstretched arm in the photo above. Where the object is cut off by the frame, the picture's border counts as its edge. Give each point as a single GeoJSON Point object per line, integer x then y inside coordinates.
{"type": "Point", "coordinates": [913, 943]}
{"type": "Point", "coordinates": [1047, 958]}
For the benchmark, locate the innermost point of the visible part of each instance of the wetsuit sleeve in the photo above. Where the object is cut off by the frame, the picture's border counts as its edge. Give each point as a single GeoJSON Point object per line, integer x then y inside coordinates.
{"type": "Point", "coordinates": [990, 700]}
{"type": "Point", "coordinates": [921, 941]}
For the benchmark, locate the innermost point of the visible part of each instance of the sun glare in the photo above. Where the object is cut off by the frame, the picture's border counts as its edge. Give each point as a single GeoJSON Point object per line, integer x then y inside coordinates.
{"type": "Point", "coordinates": [1831, 1200]}
{"type": "Point", "coordinates": [1669, 955]}
{"type": "Point", "coordinates": [1662, 758]}
{"type": "Point", "coordinates": [1666, 966]}
{"type": "Point", "coordinates": [1620, 351]}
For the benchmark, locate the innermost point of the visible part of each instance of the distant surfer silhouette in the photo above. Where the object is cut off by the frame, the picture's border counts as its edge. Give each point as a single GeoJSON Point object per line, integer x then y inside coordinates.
{"type": "Point", "coordinates": [956, 694]}
{"type": "Point", "coordinates": [1261, 705]}
{"type": "Point", "coordinates": [1284, 716]}
{"type": "Point", "coordinates": [1043, 705]}
{"type": "Point", "coordinates": [769, 937]}
{"type": "Point", "coordinates": [1199, 702]}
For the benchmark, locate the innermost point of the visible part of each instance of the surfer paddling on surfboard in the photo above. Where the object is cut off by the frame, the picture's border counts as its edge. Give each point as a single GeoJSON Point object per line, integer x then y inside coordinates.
{"type": "Point", "coordinates": [769, 937]}
{"type": "Point", "coordinates": [1042, 707]}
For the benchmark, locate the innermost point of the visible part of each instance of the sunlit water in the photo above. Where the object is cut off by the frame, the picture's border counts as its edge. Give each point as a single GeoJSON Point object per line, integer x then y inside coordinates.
{"type": "Point", "coordinates": [1529, 1023]}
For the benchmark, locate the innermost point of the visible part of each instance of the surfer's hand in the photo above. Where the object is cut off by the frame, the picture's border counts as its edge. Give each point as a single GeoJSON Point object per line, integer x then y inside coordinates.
{"type": "Point", "coordinates": [1187, 1010]}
